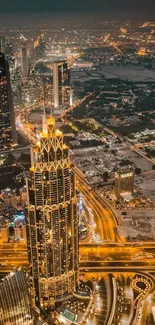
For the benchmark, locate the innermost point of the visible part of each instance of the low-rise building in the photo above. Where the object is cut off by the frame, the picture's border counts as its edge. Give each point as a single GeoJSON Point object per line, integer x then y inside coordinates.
{"type": "Point", "coordinates": [20, 233]}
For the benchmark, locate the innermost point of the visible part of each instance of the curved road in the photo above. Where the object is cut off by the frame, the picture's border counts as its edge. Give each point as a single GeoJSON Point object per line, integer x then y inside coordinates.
{"type": "Point", "coordinates": [106, 225]}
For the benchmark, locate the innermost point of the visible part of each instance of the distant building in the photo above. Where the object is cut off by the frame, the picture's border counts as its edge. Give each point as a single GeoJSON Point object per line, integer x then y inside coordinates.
{"type": "Point", "coordinates": [24, 58]}
{"type": "Point", "coordinates": [55, 85]}
{"type": "Point", "coordinates": [61, 84]}
{"type": "Point", "coordinates": [124, 182]}
{"type": "Point", "coordinates": [14, 300]}
{"type": "Point", "coordinates": [2, 44]}
{"type": "Point", "coordinates": [8, 135]}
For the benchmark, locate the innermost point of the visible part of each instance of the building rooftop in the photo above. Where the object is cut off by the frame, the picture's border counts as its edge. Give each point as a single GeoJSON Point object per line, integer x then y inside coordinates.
{"type": "Point", "coordinates": [51, 120]}
{"type": "Point", "coordinates": [124, 171]}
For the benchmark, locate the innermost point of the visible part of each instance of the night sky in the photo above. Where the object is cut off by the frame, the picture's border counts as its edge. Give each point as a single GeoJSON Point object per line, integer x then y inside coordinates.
{"type": "Point", "coordinates": [37, 5]}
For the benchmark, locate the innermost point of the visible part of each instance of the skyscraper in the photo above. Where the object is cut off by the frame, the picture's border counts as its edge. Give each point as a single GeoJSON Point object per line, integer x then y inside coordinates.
{"type": "Point", "coordinates": [24, 57]}
{"type": "Point", "coordinates": [55, 85]}
{"type": "Point", "coordinates": [2, 44]}
{"type": "Point", "coordinates": [15, 300]}
{"type": "Point", "coordinates": [124, 182]}
{"type": "Point", "coordinates": [52, 219]}
{"type": "Point", "coordinates": [61, 83]}
{"type": "Point", "coordinates": [8, 135]}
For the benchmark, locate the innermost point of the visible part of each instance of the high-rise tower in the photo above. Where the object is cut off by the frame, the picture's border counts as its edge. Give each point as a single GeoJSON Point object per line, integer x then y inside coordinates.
{"type": "Point", "coordinates": [8, 135]}
{"type": "Point", "coordinates": [55, 85]}
{"type": "Point", "coordinates": [24, 57]}
{"type": "Point", "coordinates": [52, 219]}
{"type": "Point", "coordinates": [61, 83]}
{"type": "Point", "coordinates": [2, 44]}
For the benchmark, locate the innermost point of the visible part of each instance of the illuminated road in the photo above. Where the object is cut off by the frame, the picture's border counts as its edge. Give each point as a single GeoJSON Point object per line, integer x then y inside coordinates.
{"type": "Point", "coordinates": [75, 104]}
{"type": "Point", "coordinates": [106, 225]}
{"type": "Point", "coordinates": [12, 255]}
{"type": "Point", "coordinates": [113, 257]}
{"type": "Point", "coordinates": [110, 253]}
{"type": "Point", "coordinates": [25, 132]}
{"type": "Point", "coordinates": [142, 291]}
{"type": "Point", "coordinates": [118, 304]}
{"type": "Point", "coordinates": [117, 269]}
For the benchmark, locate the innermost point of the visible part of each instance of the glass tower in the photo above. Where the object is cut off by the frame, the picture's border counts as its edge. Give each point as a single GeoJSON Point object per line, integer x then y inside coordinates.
{"type": "Point", "coordinates": [15, 300]}
{"type": "Point", "coordinates": [24, 59]}
{"type": "Point", "coordinates": [61, 84]}
{"type": "Point", "coordinates": [52, 219]}
{"type": "Point", "coordinates": [8, 135]}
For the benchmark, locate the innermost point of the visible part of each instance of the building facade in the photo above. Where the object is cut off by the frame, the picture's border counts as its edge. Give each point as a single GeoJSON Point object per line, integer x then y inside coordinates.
{"type": "Point", "coordinates": [124, 182]}
{"type": "Point", "coordinates": [52, 219]}
{"type": "Point", "coordinates": [8, 135]}
{"type": "Point", "coordinates": [15, 300]}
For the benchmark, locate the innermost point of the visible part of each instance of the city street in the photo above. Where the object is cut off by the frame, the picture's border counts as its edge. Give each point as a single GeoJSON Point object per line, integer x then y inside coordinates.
{"type": "Point", "coordinates": [105, 222]}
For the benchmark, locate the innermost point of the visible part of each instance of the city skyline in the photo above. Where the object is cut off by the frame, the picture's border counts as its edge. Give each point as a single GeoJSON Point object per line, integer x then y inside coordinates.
{"type": "Point", "coordinates": [77, 193]}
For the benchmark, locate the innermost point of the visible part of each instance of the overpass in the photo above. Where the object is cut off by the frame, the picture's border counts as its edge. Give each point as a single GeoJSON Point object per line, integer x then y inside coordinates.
{"type": "Point", "coordinates": [118, 269]}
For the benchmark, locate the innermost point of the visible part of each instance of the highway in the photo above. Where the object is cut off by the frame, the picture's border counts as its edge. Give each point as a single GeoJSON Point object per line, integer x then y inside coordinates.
{"type": "Point", "coordinates": [117, 269]}
{"type": "Point", "coordinates": [106, 225]}
{"type": "Point", "coordinates": [25, 132]}
{"type": "Point", "coordinates": [12, 255]}
{"type": "Point", "coordinates": [103, 253]}
{"type": "Point", "coordinates": [116, 263]}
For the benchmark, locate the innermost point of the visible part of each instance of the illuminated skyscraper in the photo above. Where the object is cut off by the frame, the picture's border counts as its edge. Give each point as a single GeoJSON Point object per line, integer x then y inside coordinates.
{"type": "Point", "coordinates": [7, 119]}
{"type": "Point", "coordinates": [61, 83]}
{"type": "Point", "coordinates": [24, 57]}
{"type": "Point", "coordinates": [52, 219]}
{"type": "Point", "coordinates": [15, 300]}
{"type": "Point", "coordinates": [124, 182]}
{"type": "Point", "coordinates": [55, 85]}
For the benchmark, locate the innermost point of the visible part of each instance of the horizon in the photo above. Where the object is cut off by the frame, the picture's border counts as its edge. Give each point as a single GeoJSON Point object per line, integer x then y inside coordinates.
{"type": "Point", "coordinates": [60, 5]}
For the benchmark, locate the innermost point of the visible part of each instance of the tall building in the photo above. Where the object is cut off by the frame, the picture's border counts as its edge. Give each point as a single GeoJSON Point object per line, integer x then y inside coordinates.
{"type": "Point", "coordinates": [15, 300]}
{"type": "Point", "coordinates": [8, 135]}
{"type": "Point", "coordinates": [2, 44]}
{"type": "Point", "coordinates": [52, 219]}
{"type": "Point", "coordinates": [124, 182]}
{"type": "Point", "coordinates": [61, 83]}
{"type": "Point", "coordinates": [24, 57]}
{"type": "Point", "coordinates": [55, 85]}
